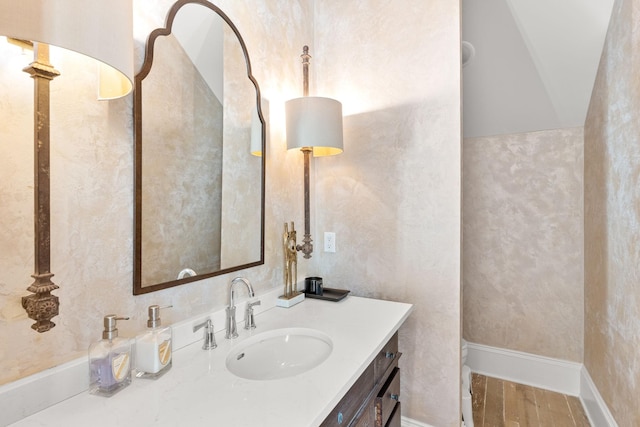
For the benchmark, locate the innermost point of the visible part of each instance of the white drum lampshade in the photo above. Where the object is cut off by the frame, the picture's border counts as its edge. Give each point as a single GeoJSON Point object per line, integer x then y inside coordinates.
{"type": "Point", "coordinates": [101, 29]}
{"type": "Point", "coordinates": [314, 122]}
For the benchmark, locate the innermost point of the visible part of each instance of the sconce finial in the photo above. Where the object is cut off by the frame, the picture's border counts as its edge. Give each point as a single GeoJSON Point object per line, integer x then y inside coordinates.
{"type": "Point", "coordinates": [305, 70]}
{"type": "Point", "coordinates": [41, 306]}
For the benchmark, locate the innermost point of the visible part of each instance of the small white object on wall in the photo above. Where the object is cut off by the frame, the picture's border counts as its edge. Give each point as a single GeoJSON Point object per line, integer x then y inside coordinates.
{"type": "Point", "coordinates": [329, 241]}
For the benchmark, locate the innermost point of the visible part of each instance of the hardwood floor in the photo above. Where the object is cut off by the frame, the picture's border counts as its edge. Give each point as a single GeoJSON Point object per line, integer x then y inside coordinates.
{"type": "Point", "coordinates": [498, 403]}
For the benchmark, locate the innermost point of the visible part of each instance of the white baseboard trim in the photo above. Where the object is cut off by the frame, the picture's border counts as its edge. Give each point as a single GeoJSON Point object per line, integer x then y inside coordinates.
{"type": "Point", "coordinates": [408, 422]}
{"type": "Point", "coordinates": [543, 372]}
{"type": "Point", "coordinates": [593, 403]}
{"type": "Point", "coordinates": [524, 368]}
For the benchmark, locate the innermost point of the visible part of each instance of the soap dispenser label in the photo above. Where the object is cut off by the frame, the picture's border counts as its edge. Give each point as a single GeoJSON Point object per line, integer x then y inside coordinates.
{"type": "Point", "coordinates": [120, 366]}
{"type": "Point", "coordinates": [164, 352]}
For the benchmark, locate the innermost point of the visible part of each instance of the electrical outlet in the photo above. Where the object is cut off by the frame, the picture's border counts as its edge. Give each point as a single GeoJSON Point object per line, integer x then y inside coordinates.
{"type": "Point", "coordinates": [329, 241]}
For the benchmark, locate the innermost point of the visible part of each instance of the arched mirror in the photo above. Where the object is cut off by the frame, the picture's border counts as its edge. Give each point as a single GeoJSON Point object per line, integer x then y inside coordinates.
{"type": "Point", "coordinates": [199, 190]}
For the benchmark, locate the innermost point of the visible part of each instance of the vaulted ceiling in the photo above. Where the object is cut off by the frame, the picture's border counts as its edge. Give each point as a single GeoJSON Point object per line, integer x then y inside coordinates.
{"type": "Point", "coordinates": [534, 65]}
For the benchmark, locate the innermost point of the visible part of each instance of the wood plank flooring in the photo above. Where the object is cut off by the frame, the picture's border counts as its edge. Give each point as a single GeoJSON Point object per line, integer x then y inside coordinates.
{"type": "Point", "coordinates": [499, 403]}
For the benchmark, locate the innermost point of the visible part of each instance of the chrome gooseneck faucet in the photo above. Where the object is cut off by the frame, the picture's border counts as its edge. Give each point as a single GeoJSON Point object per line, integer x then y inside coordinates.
{"type": "Point", "coordinates": [232, 330]}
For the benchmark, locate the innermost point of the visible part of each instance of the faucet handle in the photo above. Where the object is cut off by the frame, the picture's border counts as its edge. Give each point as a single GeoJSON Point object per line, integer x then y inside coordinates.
{"type": "Point", "coordinates": [209, 337]}
{"type": "Point", "coordinates": [249, 322]}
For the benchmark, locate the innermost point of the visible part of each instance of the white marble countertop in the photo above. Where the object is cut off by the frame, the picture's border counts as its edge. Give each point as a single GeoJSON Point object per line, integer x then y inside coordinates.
{"type": "Point", "coordinates": [199, 390]}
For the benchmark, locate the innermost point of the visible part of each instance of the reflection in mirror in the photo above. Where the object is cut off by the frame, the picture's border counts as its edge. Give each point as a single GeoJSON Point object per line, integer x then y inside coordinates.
{"type": "Point", "coordinates": [199, 191]}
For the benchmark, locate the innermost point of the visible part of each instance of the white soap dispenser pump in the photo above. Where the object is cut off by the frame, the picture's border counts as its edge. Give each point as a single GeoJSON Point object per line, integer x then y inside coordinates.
{"type": "Point", "coordinates": [153, 348]}
{"type": "Point", "coordinates": [109, 360]}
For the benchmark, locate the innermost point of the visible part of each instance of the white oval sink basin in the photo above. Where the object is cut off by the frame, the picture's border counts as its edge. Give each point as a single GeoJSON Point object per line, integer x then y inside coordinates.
{"type": "Point", "coordinates": [279, 353]}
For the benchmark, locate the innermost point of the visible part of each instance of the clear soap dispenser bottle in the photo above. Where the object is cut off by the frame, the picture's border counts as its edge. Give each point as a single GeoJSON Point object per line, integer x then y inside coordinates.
{"type": "Point", "coordinates": [153, 348]}
{"type": "Point", "coordinates": [109, 360]}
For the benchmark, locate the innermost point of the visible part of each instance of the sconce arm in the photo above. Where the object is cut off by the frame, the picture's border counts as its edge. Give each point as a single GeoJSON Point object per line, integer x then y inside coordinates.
{"type": "Point", "coordinates": [306, 247]}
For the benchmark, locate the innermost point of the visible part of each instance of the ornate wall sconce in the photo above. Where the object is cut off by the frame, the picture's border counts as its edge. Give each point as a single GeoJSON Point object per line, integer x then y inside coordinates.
{"type": "Point", "coordinates": [314, 125]}
{"type": "Point", "coordinates": [99, 29]}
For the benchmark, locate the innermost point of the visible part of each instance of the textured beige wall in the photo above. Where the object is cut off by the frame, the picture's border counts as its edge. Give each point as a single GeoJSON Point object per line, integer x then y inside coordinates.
{"type": "Point", "coordinates": [612, 219]}
{"type": "Point", "coordinates": [92, 206]}
{"type": "Point", "coordinates": [523, 249]}
{"type": "Point", "coordinates": [182, 168]}
{"type": "Point", "coordinates": [241, 194]}
{"type": "Point", "coordinates": [393, 196]}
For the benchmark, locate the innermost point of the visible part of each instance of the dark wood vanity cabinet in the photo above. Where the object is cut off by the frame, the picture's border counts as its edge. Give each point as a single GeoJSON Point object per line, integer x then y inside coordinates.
{"type": "Point", "coordinates": [374, 399]}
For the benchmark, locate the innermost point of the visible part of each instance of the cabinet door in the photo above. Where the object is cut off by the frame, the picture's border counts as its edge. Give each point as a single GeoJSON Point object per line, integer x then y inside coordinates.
{"type": "Point", "coordinates": [395, 418]}
{"type": "Point", "coordinates": [348, 407]}
{"type": "Point", "coordinates": [372, 399]}
{"type": "Point", "coordinates": [367, 417]}
{"type": "Point", "coordinates": [387, 398]}
{"type": "Point", "coordinates": [387, 356]}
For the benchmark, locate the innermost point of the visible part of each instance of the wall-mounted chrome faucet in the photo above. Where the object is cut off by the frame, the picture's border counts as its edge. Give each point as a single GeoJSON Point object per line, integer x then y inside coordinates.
{"type": "Point", "coordinates": [232, 330]}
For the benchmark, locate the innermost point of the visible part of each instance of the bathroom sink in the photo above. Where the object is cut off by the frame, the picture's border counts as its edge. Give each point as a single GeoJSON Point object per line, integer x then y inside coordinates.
{"type": "Point", "coordinates": [279, 353]}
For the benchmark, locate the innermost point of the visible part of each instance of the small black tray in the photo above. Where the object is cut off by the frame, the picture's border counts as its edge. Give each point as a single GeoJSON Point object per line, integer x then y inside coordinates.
{"type": "Point", "coordinates": [329, 294]}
